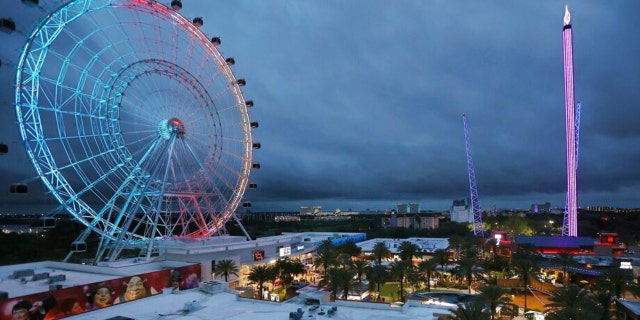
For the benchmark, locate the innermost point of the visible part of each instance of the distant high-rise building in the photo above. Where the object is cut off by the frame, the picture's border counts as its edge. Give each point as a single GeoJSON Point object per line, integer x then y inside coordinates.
{"type": "Point", "coordinates": [461, 211]}
{"type": "Point", "coordinates": [408, 208]}
{"type": "Point", "coordinates": [539, 208]}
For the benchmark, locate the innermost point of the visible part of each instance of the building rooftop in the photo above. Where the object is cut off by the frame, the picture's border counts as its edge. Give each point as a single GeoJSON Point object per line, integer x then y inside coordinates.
{"type": "Point", "coordinates": [556, 241]}
{"type": "Point", "coordinates": [426, 245]}
{"type": "Point", "coordinates": [18, 280]}
{"type": "Point", "coordinates": [631, 305]}
{"type": "Point", "coordinates": [197, 304]}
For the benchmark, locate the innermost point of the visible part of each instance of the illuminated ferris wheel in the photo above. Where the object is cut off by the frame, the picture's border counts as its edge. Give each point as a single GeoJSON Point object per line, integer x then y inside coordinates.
{"type": "Point", "coordinates": [134, 122]}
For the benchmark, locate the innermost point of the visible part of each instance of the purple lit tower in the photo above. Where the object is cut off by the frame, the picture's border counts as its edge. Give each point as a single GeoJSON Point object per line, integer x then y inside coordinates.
{"type": "Point", "coordinates": [570, 224]}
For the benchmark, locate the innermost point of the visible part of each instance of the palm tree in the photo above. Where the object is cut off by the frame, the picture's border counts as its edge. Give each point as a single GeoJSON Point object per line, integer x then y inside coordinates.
{"type": "Point", "coordinates": [604, 299]}
{"type": "Point", "coordinates": [564, 259]}
{"type": "Point", "coordinates": [261, 274]}
{"type": "Point", "coordinates": [325, 245]}
{"type": "Point", "coordinates": [287, 269]}
{"type": "Point", "coordinates": [572, 302]}
{"type": "Point", "coordinates": [414, 278]}
{"type": "Point", "coordinates": [344, 260]}
{"type": "Point", "coordinates": [324, 260]}
{"type": "Point", "coordinates": [360, 267]}
{"type": "Point", "coordinates": [399, 270]}
{"type": "Point", "coordinates": [226, 267]}
{"type": "Point", "coordinates": [525, 265]}
{"type": "Point", "coordinates": [619, 281]}
{"type": "Point", "coordinates": [408, 250]}
{"type": "Point", "coordinates": [427, 267]}
{"type": "Point", "coordinates": [494, 296]}
{"type": "Point", "coordinates": [381, 251]}
{"type": "Point", "coordinates": [378, 276]}
{"type": "Point", "coordinates": [442, 256]}
{"type": "Point", "coordinates": [616, 282]}
{"type": "Point", "coordinates": [470, 311]}
{"type": "Point", "coordinates": [456, 243]}
{"type": "Point", "coordinates": [339, 279]}
{"type": "Point", "coordinates": [349, 248]}
{"type": "Point", "coordinates": [467, 269]}
{"type": "Point", "coordinates": [495, 265]}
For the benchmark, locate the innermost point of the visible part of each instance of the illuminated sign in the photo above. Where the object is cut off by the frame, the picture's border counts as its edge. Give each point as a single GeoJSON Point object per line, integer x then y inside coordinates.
{"type": "Point", "coordinates": [286, 251]}
{"type": "Point", "coordinates": [625, 265]}
{"type": "Point", "coordinates": [258, 255]}
{"type": "Point", "coordinates": [498, 237]}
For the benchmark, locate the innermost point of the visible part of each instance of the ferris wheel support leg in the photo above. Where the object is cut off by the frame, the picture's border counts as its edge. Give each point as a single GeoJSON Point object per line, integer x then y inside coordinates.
{"type": "Point", "coordinates": [246, 234]}
{"type": "Point", "coordinates": [117, 245]}
{"type": "Point", "coordinates": [159, 201]}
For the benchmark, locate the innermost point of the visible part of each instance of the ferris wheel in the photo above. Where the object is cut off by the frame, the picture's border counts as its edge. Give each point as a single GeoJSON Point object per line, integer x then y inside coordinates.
{"type": "Point", "coordinates": [134, 122]}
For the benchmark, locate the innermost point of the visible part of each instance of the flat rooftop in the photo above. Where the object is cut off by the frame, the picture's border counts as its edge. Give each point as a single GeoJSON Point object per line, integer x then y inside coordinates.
{"type": "Point", "coordinates": [226, 305]}
{"type": "Point", "coordinates": [74, 274]}
{"type": "Point", "coordinates": [425, 245]}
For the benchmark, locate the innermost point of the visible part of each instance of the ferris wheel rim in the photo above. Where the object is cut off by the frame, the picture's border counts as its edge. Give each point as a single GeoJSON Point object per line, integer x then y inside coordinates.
{"type": "Point", "coordinates": [38, 149]}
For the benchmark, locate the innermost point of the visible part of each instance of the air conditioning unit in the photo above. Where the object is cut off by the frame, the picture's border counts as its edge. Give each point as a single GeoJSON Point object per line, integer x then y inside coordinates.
{"type": "Point", "coordinates": [213, 286]}
{"type": "Point", "coordinates": [55, 286]}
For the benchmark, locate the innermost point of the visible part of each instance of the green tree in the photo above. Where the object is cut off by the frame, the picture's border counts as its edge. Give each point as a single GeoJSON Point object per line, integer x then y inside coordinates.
{"type": "Point", "coordinates": [349, 248]}
{"type": "Point", "coordinates": [495, 265]}
{"type": "Point", "coordinates": [442, 257]}
{"type": "Point", "coordinates": [344, 260]}
{"type": "Point", "coordinates": [515, 225]}
{"type": "Point", "coordinates": [378, 276]}
{"type": "Point", "coordinates": [564, 259]}
{"type": "Point", "coordinates": [360, 268]}
{"type": "Point", "coordinates": [326, 245]}
{"type": "Point", "coordinates": [399, 271]}
{"type": "Point", "coordinates": [619, 281]}
{"type": "Point", "coordinates": [572, 302]}
{"type": "Point", "coordinates": [225, 268]}
{"type": "Point", "coordinates": [408, 250]}
{"type": "Point", "coordinates": [468, 269]}
{"type": "Point", "coordinates": [470, 311]}
{"type": "Point", "coordinates": [494, 297]}
{"type": "Point", "coordinates": [339, 279]}
{"type": "Point", "coordinates": [525, 265]}
{"type": "Point", "coordinates": [604, 299]}
{"type": "Point", "coordinates": [380, 251]}
{"type": "Point", "coordinates": [324, 260]}
{"type": "Point", "coordinates": [287, 269]}
{"type": "Point", "coordinates": [427, 268]}
{"type": "Point", "coordinates": [260, 275]}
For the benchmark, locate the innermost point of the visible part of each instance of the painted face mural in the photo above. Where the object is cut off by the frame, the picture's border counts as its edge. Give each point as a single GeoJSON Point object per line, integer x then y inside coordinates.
{"type": "Point", "coordinates": [135, 289]}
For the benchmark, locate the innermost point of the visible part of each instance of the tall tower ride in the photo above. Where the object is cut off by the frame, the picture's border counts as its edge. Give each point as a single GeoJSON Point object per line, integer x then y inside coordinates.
{"type": "Point", "coordinates": [570, 225]}
{"type": "Point", "coordinates": [476, 210]}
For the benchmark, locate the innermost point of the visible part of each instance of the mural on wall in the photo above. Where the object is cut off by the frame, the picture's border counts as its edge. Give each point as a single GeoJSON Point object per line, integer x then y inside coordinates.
{"type": "Point", "coordinates": [65, 302]}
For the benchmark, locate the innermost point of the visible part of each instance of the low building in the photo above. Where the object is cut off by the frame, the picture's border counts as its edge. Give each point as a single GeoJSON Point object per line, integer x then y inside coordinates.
{"type": "Point", "coordinates": [426, 246]}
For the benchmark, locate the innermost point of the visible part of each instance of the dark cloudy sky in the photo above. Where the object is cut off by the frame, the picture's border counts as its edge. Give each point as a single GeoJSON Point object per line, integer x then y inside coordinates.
{"type": "Point", "coordinates": [360, 102]}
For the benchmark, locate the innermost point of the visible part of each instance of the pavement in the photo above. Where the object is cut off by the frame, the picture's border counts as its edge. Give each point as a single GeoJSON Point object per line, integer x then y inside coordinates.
{"type": "Point", "coordinates": [536, 302]}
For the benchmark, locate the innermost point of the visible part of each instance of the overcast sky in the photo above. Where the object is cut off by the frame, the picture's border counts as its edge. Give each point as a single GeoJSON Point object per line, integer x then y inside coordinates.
{"type": "Point", "coordinates": [360, 102]}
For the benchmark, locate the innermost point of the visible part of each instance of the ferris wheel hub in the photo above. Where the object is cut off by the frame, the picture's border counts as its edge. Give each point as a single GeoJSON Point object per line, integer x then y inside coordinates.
{"type": "Point", "coordinates": [168, 128]}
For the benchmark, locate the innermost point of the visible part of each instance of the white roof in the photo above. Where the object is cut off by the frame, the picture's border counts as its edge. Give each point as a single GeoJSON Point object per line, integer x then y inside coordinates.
{"type": "Point", "coordinates": [75, 274]}
{"type": "Point", "coordinates": [424, 244]}
{"type": "Point", "coordinates": [227, 305]}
